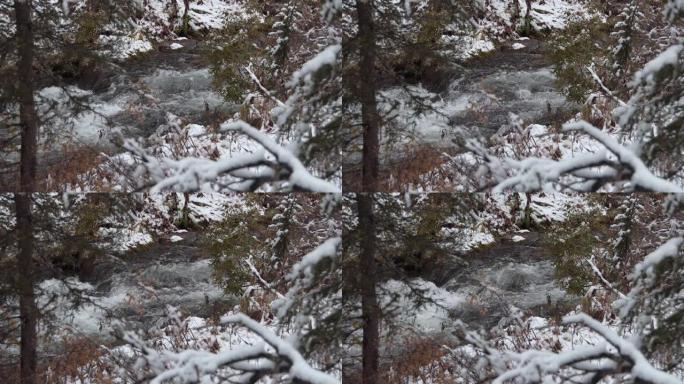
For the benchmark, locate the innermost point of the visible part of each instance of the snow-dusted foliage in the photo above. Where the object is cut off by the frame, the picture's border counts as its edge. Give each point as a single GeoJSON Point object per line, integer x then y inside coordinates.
{"type": "Point", "coordinates": [624, 30]}
{"type": "Point", "coordinates": [270, 354]}
{"type": "Point", "coordinates": [583, 172]}
{"type": "Point", "coordinates": [646, 158]}
{"type": "Point", "coordinates": [633, 348]}
{"type": "Point", "coordinates": [295, 143]}
{"type": "Point", "coordinates": [615, 355]}
{"type": "Point", "coordinates": [273, 164]}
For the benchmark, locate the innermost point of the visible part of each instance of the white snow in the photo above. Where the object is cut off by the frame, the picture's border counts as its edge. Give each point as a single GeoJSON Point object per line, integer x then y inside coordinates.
{"type": "Point", "coordinates": [127, 238]}
{"type": "Point", "coordinates": [175, 46]}
{"type": "Point", "coordinates": [122, 47]}
{"type": "Point", "coordinates": [196, 130]}
{"type": "Point", "coordinates": [668, 57]}
{"type": "Point", "coordinates": [175, 239]}
{"type": "Point", "coordinates": [326, 57]}
{"type": "Point", "coordinates": [88, 126]}
{"type": "Point", "coordinates": [517, 46]}
{"type": "Point", "coordinates": [428, 318]}
{"type": "Point", "coordinates": [669, 249]}
{"type": "Point", "coordinates": [517, 239]}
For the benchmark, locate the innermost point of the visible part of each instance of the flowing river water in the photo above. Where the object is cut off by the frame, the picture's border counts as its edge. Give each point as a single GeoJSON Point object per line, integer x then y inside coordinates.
{"type": "Point", "coordinates": [478, 100]}
{"type": "Point", "coordinates": [136, 287]}
{"type": "Point", "coordinates": [481, 287]}
{"type": "Point", "coordinates": [136, 97]}
{"type": "Point", "coordinates": [513, 273]}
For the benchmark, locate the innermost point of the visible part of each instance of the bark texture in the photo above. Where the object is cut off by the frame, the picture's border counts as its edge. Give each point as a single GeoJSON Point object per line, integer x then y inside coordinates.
{"type": "Point", "coordinates": [25, 281]}
{"type": "Point", "coordinates": [367, 96]}
{"type": "Point", "coordinates": [27, 108]}
{"type": "Point", "coordinates": [369, 300]}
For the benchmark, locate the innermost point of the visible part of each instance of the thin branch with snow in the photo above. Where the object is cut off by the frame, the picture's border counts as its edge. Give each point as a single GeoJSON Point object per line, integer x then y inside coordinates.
{"type": "Point", "coordinates": [273, 164]}
{"type": "Point", "coordinates": [593, 170]}
{"type": "Point", "coordinates": [271, 356]}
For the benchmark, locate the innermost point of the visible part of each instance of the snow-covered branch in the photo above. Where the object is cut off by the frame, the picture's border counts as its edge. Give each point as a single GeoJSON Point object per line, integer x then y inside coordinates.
{"type": "Point", "coordinates": [614, 355]}
{"type": "Point", "coordinates": [644, 274]}
{"type": "Point", "coordinates": [274, 164]}
{"type": "Point", "coordinates": [271, 356]}
{"type": "Point", "coordinates": [302, 273]}
{"type": "Point", "coordinates": [605, 89]}
{"type": "Point", "coordinates": [603, 279]}
{"type": "Point", "coordinates": [297, 367]}
{"type": "Point", "coordinates": [590, 170]}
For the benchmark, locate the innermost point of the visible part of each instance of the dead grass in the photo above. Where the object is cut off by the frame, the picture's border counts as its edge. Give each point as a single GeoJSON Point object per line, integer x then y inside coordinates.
{"type": "Point", "coordinates": [418, 160]}
{"type": "Point", "coordinates": [69, 167]}
{"type": "Point", "coordinates": [72, 165]}
{"type": "Point", "coordinates": [79, 360]}
{"type": "Point", "coordinates": [415, 359]}
{"type": "Point", "coordinates": [73, 360]}
{"type": "Point", "coordinates": [420, 359]}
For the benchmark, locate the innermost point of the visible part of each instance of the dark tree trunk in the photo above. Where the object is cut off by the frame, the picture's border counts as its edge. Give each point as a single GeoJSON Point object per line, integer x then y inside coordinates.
{"type": "Point", "coordinates": [367, 96]}
{"type": "Point", "coordinates": [369, 300]}
{"type": "Point", "coordinates": [86, 264]}
{"type": "Point", "coordinates": [27, 108]}
{"type": "Point", "coordinates": [25, 278]}
{"type": "Point", "coordinates": [27, 183]}
{"type": "Point", "coordinates": [186, 18]}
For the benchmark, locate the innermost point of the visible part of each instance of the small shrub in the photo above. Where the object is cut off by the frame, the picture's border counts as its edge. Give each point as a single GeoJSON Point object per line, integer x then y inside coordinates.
{"type": "Point", "coordinates": [79, 360]}
{"type": "Point", "coordinates": [237, 45]}
{"type": "Point", "coordinates": [570, 243]}
{"type": "Point", "coordinates": [419, 360]}
{"type": "Point", "coordinates": [572, 50]}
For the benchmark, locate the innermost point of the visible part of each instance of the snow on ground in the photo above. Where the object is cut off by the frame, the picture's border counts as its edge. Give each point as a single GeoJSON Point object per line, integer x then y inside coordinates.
{"type": "Point", "coordinates": [204, 207]}
{"type": "Point", "coordinates": [121, 47]}
{"type": "Point", "coordinates": [204, 16]}
{"type": "Point", "coordinates": [497, 24]}
{"type": "Point", "coordinates": [546, 207]}
{"type": "Point", "coordinates": [87, 126]}
{"type": "Point", "coordinates": [540, 333]}
{"type": "Point", "coordinates": [467, 46]}
{"type": "Point", "coordinates": [125, 238]}
{"type": "Point", "coordinates": [211, 14]}
{"type": "Point", "coordinates": [498, 219]}
{"type": "Point", "coordinates": [517, 46]}
{"type": "Point", "coordinates": [467, 239]}
{"type": "Point", "coordinates": [549, 14]}
{"type": "Point", "coordinates": [156, 219]}
{"type": "Point", "coordinates": [175, 46]}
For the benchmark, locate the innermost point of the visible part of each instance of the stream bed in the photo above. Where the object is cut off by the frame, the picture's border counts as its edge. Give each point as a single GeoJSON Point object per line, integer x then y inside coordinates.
{"type": "Point", "coordinates": [137, 287]}
{"type": "Point", "coordinates": [484, 286]}
{"type": "Point", "coordinates": [136, 97]}
{"type": "Point", "coordinates": [476, 102]}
